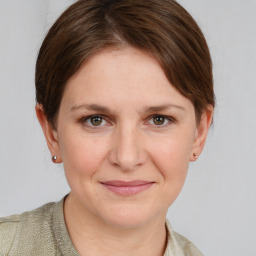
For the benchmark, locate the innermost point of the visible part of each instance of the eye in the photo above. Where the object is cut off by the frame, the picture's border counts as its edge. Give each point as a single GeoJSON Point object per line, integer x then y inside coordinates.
{"type": "Point", "coordinates": [160, 120]}
{"type": "Point", "coordinates": [95, 121]}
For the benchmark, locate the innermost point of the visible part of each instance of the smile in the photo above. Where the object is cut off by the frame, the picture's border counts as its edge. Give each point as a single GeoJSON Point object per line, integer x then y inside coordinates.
{"type": "Point", "coordinates": [127, 188]}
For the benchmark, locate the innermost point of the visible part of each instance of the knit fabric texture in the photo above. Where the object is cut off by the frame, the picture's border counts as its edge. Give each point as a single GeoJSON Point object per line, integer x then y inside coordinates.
{"type": "Point", "coordinates": [42, 232]}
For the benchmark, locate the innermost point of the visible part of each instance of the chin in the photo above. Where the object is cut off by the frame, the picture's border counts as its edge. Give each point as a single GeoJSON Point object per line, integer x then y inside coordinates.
{"type": "Point", "coordinates": [129, 216]}
{"type": "Point", "coordinates": [126, 221]}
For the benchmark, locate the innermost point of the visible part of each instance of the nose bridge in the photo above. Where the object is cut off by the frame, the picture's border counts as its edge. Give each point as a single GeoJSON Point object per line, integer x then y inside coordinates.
{"type": "Point", "coordinates": [128, 152]}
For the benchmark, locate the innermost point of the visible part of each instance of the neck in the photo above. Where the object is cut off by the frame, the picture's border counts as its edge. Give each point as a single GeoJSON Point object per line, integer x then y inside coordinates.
{"type": "Point", "coordinates": [91, 237]}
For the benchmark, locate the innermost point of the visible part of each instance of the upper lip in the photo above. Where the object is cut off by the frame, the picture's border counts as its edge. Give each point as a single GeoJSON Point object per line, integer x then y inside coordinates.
{"type": "Point", "coordinates": [120, 183]}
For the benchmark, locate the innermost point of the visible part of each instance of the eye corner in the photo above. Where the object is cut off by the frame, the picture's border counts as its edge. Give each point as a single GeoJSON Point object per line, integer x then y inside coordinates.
{"type": "Point", "coordinates": [95, 121]}
{"type": "Point", "coordinates": [160, 120]}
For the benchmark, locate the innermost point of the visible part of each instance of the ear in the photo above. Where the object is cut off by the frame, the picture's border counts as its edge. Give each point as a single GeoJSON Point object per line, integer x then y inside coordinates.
{"type": "Point", "coordinates": [201, 133]}
{"type": "Point", "coordinates": [50, 133]}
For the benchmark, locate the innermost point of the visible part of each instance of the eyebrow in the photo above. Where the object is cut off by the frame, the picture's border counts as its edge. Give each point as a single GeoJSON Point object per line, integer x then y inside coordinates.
{"type": "Point", "coordinates": [162, 108]}
{"type": "Point", "coordinates": [92, 107]}
{"type": "Point", "coordinates": [106, 110]}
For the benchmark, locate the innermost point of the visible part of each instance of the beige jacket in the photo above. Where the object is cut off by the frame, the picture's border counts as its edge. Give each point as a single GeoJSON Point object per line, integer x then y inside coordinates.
{"type": "Point", "coordinates": [42, 232]}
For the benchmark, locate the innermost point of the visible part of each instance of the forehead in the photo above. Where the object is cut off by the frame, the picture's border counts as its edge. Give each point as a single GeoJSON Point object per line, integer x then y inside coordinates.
{"type": "Point", "coordinates": [125, 76]}
{"type": "Point", "coordinates": [115, 63]}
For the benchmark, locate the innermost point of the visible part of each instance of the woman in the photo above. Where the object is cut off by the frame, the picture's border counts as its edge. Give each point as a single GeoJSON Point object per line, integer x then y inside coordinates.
{"type": "Point", "coordinates": [125, 99]}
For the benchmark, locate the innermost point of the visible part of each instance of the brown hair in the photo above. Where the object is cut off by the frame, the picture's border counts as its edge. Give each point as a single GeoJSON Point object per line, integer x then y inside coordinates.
{"type": "Point", "coordinates": [162, 28]}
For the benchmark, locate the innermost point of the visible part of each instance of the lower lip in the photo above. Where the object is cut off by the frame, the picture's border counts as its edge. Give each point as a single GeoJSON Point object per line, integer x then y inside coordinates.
{"type": "Point", "coordinates": [128, 190]}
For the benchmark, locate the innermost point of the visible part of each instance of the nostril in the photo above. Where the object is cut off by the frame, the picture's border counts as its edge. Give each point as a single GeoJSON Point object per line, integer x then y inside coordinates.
{"type": "Point", "coordinates": [127, 161]}
{"type": "Point", "coordinates": [127, 150]}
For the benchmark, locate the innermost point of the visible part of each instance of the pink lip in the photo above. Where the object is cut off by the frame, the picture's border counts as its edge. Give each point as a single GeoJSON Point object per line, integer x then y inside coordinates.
{"type": "Point", "coordinates": [127, 187]}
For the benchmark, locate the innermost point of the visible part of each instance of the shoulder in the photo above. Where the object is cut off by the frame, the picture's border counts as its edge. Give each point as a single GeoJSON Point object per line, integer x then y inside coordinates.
{"type": "Point", "coordinates": [21, 233]}
{"type": "Point", "coordinates": [180, 245]}
{"type": "Point", "coordinates": [8, 227]}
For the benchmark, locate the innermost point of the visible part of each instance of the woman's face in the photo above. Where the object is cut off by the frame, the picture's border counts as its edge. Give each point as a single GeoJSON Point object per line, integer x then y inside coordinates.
{"type": "Point", "coordinates": [125, 136]}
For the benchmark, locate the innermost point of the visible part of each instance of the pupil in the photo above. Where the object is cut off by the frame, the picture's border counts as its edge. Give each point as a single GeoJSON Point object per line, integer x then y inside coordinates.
{"type": "Point", "coordinates": [97, 120]}
{"type": "Point", "coordinates": [159, 120]}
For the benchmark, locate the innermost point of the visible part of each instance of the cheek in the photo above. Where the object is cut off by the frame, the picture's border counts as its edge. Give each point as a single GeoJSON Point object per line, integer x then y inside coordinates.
{"type": "Point", "coordinates": [171, 151]}
{"type": "Point", "coordinates": [172, 163]}
{"type": "Point", "coordinates": [82, 155]}
{"type": "Point", "coordinates": [171, 158]}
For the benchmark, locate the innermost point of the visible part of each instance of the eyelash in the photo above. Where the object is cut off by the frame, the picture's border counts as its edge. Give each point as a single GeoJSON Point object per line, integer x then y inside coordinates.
{"type": "Point", "coordinates": [87, 118]}
{"type": "Point", "coordinates": [169, 119]}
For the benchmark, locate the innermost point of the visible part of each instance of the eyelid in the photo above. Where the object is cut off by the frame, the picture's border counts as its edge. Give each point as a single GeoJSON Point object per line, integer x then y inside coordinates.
{"type": "Point", "coordinates": [85, 118]}
{"type": "Point", "coordinates": [170, 120]}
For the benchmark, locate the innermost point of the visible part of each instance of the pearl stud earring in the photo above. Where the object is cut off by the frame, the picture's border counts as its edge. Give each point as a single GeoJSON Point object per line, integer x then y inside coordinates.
{"type": "Point", "coordinates": [195, 155]}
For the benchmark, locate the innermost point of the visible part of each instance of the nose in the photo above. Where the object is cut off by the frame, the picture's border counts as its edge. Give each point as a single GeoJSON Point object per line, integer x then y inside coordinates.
{"type": "Point", "coordinates": [128, 152]}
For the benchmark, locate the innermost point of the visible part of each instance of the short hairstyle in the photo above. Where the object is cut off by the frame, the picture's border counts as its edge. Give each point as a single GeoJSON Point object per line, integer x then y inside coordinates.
{"type": "Point", "coordinates": [163, 29]}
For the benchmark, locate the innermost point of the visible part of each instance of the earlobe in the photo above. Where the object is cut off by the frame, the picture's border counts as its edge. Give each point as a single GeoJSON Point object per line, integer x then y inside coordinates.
{"type": "Point", "coordinates": [201, 133]}
{"type": "Point", "coordinates": [50, 133]}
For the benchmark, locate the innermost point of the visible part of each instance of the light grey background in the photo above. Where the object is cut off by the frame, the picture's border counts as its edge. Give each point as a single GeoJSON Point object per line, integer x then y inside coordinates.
{"type": "Point", "coordinates": [217, 207]}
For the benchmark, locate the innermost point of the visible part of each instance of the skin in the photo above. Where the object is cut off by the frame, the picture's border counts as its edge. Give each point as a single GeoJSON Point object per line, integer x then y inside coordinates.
{"type": "Point", "coordinates": [127, 89]}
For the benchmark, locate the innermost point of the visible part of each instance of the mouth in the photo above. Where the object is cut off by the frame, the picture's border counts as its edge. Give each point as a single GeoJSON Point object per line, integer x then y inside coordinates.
{"type": "Point", "coordinates": [127, 188]}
